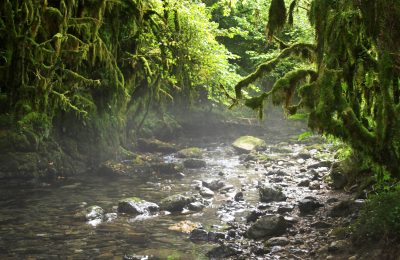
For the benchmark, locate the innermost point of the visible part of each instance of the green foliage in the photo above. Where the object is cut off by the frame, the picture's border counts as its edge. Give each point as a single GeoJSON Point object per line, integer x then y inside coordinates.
{"type": "Point", "coordinates": [353, 92]}
{"type": "Point", "coordinates": [379, 220]}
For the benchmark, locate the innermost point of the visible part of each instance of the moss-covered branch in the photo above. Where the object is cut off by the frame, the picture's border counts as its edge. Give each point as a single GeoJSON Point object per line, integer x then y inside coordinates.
{"type": "Point", "coordinates": [270, 65]}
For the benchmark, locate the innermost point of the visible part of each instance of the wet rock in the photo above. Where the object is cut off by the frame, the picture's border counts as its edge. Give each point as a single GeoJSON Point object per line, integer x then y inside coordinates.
{"type": "Point", "coordinates": [166, 168]}
{"type": "Point", "coordinates": [246, 144]}
{"type": "Point", "coordinates": [345, 208]}
{"type": "Point", "coordinates": [137, 206]}
{"type": "Point", "coordinates": [239, 196]}
{"type": "Point", "coordinates": [215, 236]}
{"type": "Point", "coordinates": [309, 205]}
{"type": "Point", "coordinates": [196, 206]}
{"type": "Point", "coordinates": [338, 176]}
{"type": "Point", "coordinates": [269, 193]}
{"type": "Point", "coordinates": [277, 172]}
{"type": "Point", "coordinates": [214, 185]}
{"type": "Point", "coordinates": [225, 250]}
{"type": "Point", "coordinates": [285, 209]}
{"type": "Point", "coordinates": [206, 192]}
{"type": "Point", "coordinates": [267, 226]}
{"type": "Point", "coordinates": [109, 217]}
{"type": "Point", "coordinates": [199, 234]}
{"type": "Point", "coordinates": [277, 241]}
{"type": "Point", "coordinates": [154, 145]}
{"type": "Point", "coordinates": [194, 163]}
{"type": "Point", "coordinates": [254, 215]}
{"type": "Point", "coordinates": [94, 212]}
{"type": "Point", "coordinates": [192, 152]}
{"type": "Point", "coordinates": [175, 203]}
{"type": "Point", "coordinates": [304, 183]}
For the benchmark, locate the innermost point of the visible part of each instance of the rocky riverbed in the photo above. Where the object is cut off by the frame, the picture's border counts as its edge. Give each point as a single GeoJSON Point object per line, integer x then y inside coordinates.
{"type": "Point", "coordinates": [199, 198]}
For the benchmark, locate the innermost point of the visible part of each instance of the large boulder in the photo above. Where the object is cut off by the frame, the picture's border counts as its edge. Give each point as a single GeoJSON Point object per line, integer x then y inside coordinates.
{"type": "Point", "coordinates": [192, 152]}
{"type": "Point", "coordinates": [154, 145]}
{"type": "Point", "coordinates": [176, 203]}
{"type": "Point", "coordinates": [269, 193]}
{"type": "Point", "coordinates": [267, 226]}
{"type": "Point", "coordinates": [137, 206]}
{"type": "Point", "coordinates": [246, 144]}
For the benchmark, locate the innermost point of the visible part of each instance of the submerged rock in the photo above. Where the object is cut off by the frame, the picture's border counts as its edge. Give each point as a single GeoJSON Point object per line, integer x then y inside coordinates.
{"type": "Point", "coordinates": [185, 226]}
{"type": "Point", "coordinates": [192, 152]}
{"type": "Point", "coordinates": [269, 193]}
{"type": "Point", "coordinates": [154, 145]}
{"type": "Point", "coordinates": [199, 234]}
{"type": "Point", "coordinates": [137, 206]}
{"type": "Point", "coordinates": [267, 226]}
{"type": "Point", "coordinates": [196, 206]}
{"type": "Point", "coordinates": [175, 203]}
{"type": "Point", "coordinates": [194, 163]}
{"type": "Point", "coordinates": [246, 144]}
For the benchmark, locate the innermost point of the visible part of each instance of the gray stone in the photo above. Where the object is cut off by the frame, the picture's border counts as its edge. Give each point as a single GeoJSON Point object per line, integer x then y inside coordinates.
{"type": "Point", "coordinates": [214, 185]}
{"type": "Point", "coordinates": [206, 192]}
{"type": "Point", "coordinates": [239, 196]}
{"type": "Point", "coordinates": [267, 226]}
{"type": "Point", "coordinates": [338, 246]}
{"type": "Point", "coordinates": [137, 206]}
{"type": "Point", "coordinates": [269, 193]}
{"type": "Point", "coordinates": [345, 208]}
{"type": "Point", "coordinates": [309, 205]}
{"type": "Point", "coordinates": [326, 164]}
{"type": "Point", "coordinates": [246, 144]}
{"type": "Point", "coordinates": [304, 183]}
{"type": "Point", "coordinates": [277, 241]}
{"type": "Point", "coordinates": [215, 236]}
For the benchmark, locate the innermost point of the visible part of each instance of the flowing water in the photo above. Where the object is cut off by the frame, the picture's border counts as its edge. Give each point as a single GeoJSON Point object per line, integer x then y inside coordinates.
{"type": "Point", "coordinates": [37, 220]}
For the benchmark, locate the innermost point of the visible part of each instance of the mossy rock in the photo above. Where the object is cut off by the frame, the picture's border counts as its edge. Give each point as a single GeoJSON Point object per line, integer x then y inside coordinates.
{"type": "Point", "coordinates": [246, 144]}
{"type": "Point", "coordinates": [175, 203]}
{"type": "Point", "coordinates": [136, 206]}
{"type": "Point", "coordinates": [192, 152]}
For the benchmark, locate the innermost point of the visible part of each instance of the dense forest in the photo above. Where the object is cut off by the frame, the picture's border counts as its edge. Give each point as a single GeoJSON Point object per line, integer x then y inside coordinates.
{"type": "Point", "coordinates": [83, 81]}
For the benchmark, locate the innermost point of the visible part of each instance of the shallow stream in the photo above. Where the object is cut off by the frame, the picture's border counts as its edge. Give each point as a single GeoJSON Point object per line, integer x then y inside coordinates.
{"type": "Point", "coordinates": [37, 220]}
